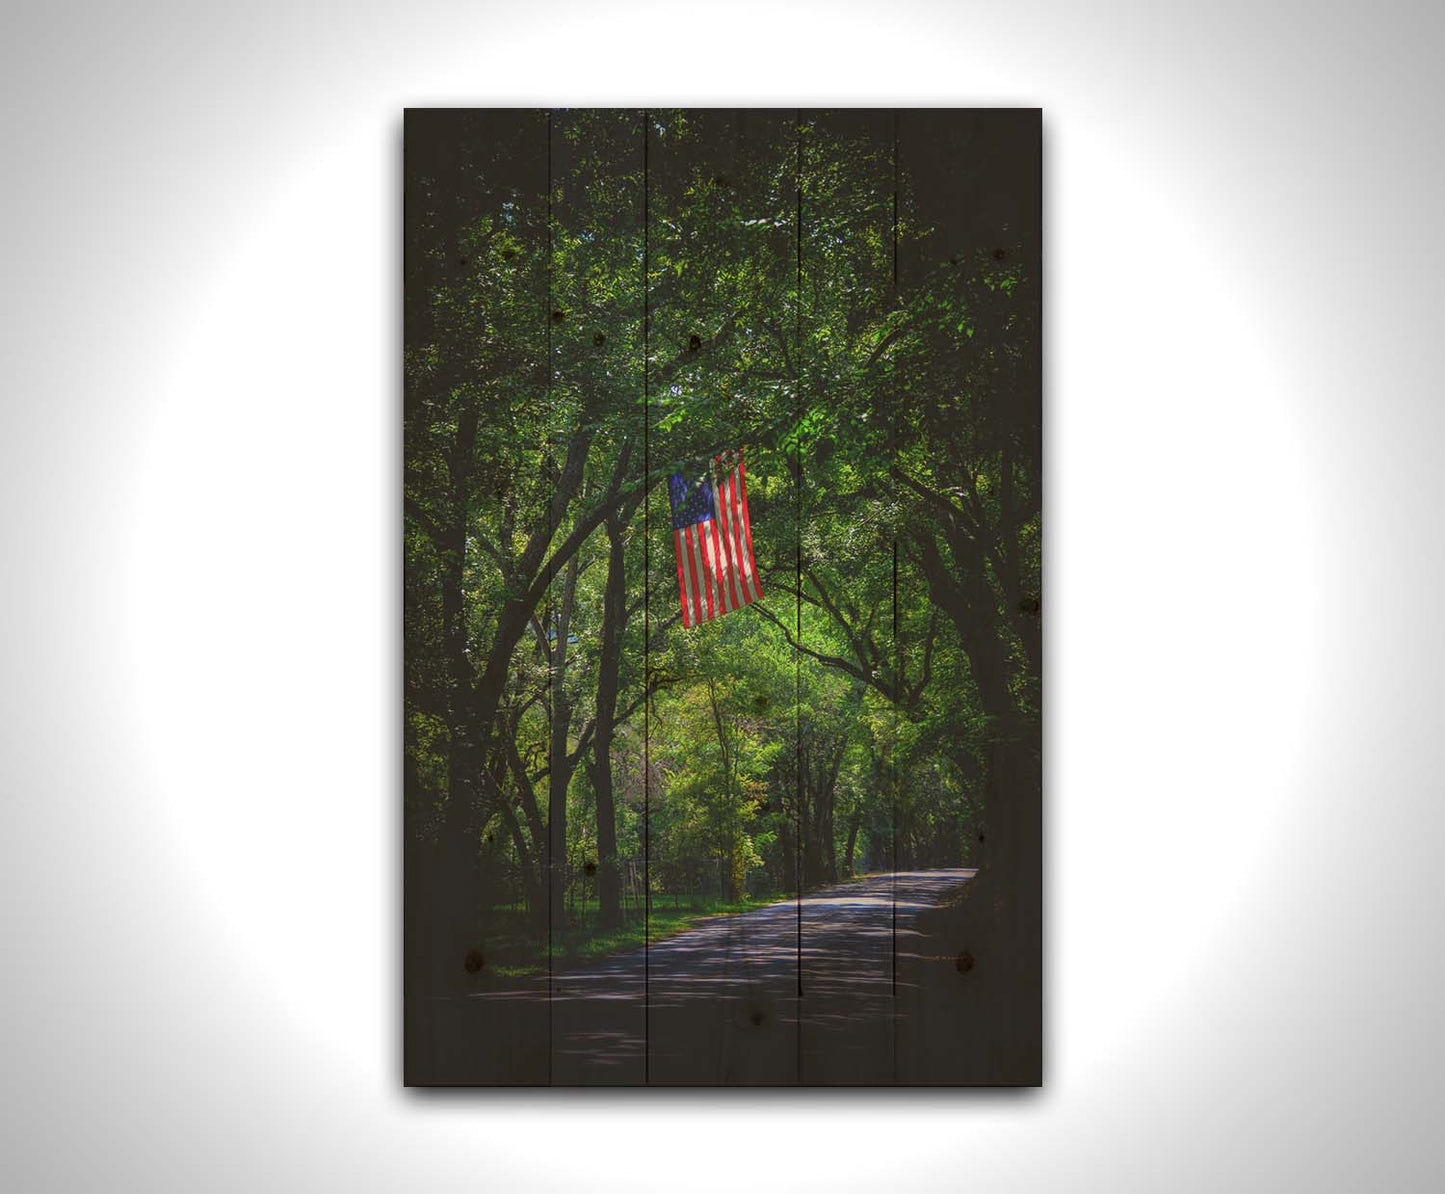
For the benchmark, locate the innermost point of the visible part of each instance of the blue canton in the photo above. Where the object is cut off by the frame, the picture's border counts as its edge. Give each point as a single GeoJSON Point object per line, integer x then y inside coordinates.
{"type": "Point", "coordinates": [691, 500]}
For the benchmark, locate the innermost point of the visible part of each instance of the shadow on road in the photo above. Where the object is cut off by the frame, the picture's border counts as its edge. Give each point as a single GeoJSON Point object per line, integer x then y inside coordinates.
{"type": "Point", "coordinates": [817, 992]}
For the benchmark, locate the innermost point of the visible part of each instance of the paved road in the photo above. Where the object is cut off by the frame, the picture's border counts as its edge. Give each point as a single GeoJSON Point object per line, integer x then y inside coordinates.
{"type": "Point", "coordinates": [783, 994]}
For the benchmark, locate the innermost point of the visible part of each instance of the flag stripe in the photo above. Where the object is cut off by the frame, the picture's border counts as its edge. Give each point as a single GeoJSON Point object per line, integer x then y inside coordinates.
{"type": "Point", "coordinates": [687, 617]}
{"type": "Point", "coordinates": [747, 522]}
{"type": "Point", "coordinates": [742, 546]}
{"type": "Point", "coordinates": [697, 578]}
{"type": "Point", "coordinates": [681, 584]}
{"type": "Point", "coordinates": [689, 541]}
{"type": "Point", "coordinates": [709, 551]}
{"type": "Point", "coordinates": [702, 591]}
{"type": "Point", "coordinates": [730, 568]}
{"type": "Point", "coordinates": [716, 572]}
{"type": "Point", "coordinates": [726, 498]}
{"type": "Point", "coordinates": [710, 535]}
{"type": "Point", "coordinates": [733, 541]}
{"type": "Point", "coordinates": [733, 517]}
{"type": "Point", "coordinates": [702, 542]}
{"type": "Point", "coordinates": [729, 547]}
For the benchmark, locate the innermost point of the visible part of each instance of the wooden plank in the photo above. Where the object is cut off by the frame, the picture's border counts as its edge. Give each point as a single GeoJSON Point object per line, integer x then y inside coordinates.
{"type": "Point", "coordinates": [969, 974]}
{"type": "Point", "coordinates": [721, 1004]}
{"type": "Point", "coordinates": [474, 275]}
{"type": "Point", "coordinates": [595, 643]}
{"type": "Point", "coordinates": [846, 266]}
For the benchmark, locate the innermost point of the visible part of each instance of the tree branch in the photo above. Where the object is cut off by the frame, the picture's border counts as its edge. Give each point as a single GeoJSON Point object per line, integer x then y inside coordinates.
{"type": "Point", "coordinates": [834, 661]}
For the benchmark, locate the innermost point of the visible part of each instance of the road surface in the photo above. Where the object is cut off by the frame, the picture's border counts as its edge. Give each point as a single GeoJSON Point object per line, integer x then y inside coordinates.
{"type": "Point", "coordinates": [785, 994]}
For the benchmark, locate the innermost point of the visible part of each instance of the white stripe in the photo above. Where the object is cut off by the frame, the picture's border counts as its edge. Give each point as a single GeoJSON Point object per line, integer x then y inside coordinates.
{"type": "Point", "coordinates": [697, 561]}
{"type": "Point", "coordinates": [750, 592]}
{"type": "Point", "coordinates": [747, 527]}
{"type": "Point", "coordinates": [687, 574]}
{"type": "Point", "coordinates": [743, 540]}
{"type": "Point", "coordinates": [736, 596]}
{"type": "Point", "coordinates": [702, 613]}
{"type": "Point", "coordinates": [709, 563]}
{"type": "Point", "coordinates": [720, 562]}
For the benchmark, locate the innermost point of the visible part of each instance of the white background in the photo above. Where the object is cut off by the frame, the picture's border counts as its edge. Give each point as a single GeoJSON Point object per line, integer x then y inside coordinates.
{"type": "Point", "coordinates": [200, 624]}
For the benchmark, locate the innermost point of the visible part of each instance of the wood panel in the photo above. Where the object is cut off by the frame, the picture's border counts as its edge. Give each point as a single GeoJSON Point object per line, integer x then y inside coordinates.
{"type": "Point", "coordinates": [594, 616]}
{"type": "Point", "coordinates": [847, 224]}
{"type": "Point", "coordinates": [475, 270]}
{"type": "Point", "coordinates": [969, 972]}
{"type": "Point", "coordinates": [594, 299]}
{"type": "Point", "coordinates": [731, 1019]}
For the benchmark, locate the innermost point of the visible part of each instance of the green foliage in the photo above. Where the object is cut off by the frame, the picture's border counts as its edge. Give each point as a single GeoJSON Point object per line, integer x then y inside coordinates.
{"type": "Point", "coordinates": [515, 949]}
{"type": "Point", "coordinates": [867, 331]}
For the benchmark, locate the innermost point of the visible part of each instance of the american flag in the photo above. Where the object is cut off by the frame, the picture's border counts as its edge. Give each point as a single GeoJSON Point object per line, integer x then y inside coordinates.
{"type": "Point", "coordinates": [714, 540]}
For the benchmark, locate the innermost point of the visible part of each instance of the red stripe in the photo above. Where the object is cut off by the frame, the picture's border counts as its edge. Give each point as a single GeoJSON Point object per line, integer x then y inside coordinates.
{"type": "Point", "coordinates": [706, 577]}
{"type": "Point", "coordinates": [717, 536]}
{"type": "Point", "coordinates": [716, 563]}
{"type": "Point", "coordinates": [709, 559]}
{"type": "Point", "coordinates": [689, 572]}
{"type": "Point", "coordinates": [748, 527]}
{"type": "Point", "coordinates": [694, 539]}
{"type": "Point", "coordinates": [721, 500]}
{"type": "Point", "coordinates": [738, 536]}
{"type": "Point", "coordinates": [700, 555]}
{"type": "Point", "coordinates": [722, 563]}
{"type": "Point", "coordinates": [719, 560]}
{"type": "Point", "coordinates": [681, 588]}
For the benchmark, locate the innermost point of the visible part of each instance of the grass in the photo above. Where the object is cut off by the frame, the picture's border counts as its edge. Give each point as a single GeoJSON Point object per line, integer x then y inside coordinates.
{"type": "Point", "coordinates": [517, 947]}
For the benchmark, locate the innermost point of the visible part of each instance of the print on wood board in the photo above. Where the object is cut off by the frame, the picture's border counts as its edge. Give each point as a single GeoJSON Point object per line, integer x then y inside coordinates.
{"type": "Point", "coordinates": [722, 597]}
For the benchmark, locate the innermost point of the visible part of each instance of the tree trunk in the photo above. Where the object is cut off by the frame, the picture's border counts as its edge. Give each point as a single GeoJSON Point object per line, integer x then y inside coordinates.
{"type": "Point", "coordinates": [853, 823]}
{"type": "Point", "coordinates": [559, 769]}
{"type": "Point", "coordinates": [475, 696]}
{"type": "Point", "coordinates": [614, 610]}
{"type": "Point", "coordinates": [830, 801]}
{"type": "Point", "coordinates": [454, 892]}
{"type": "Point", "coordinates": [729, 886]}
{"type": "Point", "coordinates": [531, 883]}
{"type": "Point", "coordinates": [789, 845]}
{"type": "Point", "coordinates": [1001, 925]}
{"type": "Point", "coordinates": [805, 834]}
{"type": "Point", "coordinates": [829, 855]}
